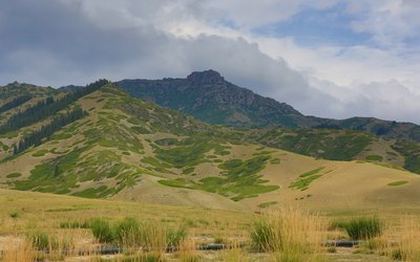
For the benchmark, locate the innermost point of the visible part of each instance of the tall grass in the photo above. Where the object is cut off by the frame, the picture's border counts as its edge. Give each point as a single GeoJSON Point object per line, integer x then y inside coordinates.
{"type": "Point", "coordinates": [128, 233]}
{"type": "Point", "coordinates": [403, 242]}
{"type": "Point", "coordinates": [102, 231]}
{"type": "Point", "coordinates": [187, 252]}
{"type": "Point", "coordinates": [42, 241]}
{"type": "Point", "coordinates": [21, 251]}
{"type": "Point", "coordinates": [131, 235]}
{"type": "Point", "coordinates": [49, 246]}
{"type": "Point", "coordinates": [291, 233]}
{"type": "Point", "coordinates": [174, 237]}
{"type": "Point", "coordinates": [154, 237]}
{"type": "Point", "coordinates": [234, 253]}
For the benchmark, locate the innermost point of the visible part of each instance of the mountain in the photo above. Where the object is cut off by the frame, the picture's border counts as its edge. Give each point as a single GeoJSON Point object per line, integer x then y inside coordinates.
{"type": "Point", "coordinates": [99, 142]}
{"type": "Point", "coordinates": [209, 97]}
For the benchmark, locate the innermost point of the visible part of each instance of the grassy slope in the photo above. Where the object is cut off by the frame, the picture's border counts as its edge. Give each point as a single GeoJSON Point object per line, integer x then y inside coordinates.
{"type": "Point", "coordinates": [45, 212]}
{"type": "Point", "coordinates": [131, 150]}
{"type": "Point", "coordinates": [337, 185]}
{"type": "Point", "coordinates": [111, 151]}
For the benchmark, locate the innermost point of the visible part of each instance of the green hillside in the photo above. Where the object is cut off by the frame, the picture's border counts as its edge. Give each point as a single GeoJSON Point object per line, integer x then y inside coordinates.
{"type": "Point", "coordinates": [99, 142]}
{"type": "Point", "coordinates": [113, 145]}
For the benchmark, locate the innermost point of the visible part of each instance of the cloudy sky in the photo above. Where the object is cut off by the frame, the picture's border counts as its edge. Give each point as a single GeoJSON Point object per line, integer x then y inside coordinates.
{"type": "Point", "coordinates": [330, 58]}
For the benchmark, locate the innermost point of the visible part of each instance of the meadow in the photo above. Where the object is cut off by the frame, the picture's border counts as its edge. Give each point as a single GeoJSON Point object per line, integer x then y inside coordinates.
{"type": "Point", "coordinates": [46, 227]}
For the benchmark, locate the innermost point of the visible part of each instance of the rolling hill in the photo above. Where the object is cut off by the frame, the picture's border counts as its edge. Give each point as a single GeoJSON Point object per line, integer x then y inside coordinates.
{"type": "Point", "coordinates": [99, 142]}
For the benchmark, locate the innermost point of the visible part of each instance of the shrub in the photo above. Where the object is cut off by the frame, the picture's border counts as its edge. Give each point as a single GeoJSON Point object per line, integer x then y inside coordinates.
{"type": "Point", "coordinates": [14, 214]}
{"type": "Point", "coordinates": [363, 228]}
{"type": "Point", "coordinates": [102, 230]}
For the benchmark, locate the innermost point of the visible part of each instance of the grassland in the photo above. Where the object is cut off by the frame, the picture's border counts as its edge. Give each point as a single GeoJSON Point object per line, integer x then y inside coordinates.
{"type": "Point", "coordinates": [55, 227]}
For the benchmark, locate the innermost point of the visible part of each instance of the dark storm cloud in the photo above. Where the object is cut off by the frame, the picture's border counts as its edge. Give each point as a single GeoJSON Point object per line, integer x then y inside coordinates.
{"type": "Point", "coordinates": [51, 43]}
{"type": "Point", "coordinates": [51, 30]}
{"type": "Point", "coordinates": [58, 42]}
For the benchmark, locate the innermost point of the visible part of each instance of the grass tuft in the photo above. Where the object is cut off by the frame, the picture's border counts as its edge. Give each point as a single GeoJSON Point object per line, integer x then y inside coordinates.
{"type": "Point", "coordinates": [102, 230]}
{"type": "Point", "coordinates": [363, 228]}
{"type": "Point", "coordinates": [43, 241]}
{"type": "Point", "coordinates": [175, 237]}
{"type": "Point", "coordinates": [128, 233]}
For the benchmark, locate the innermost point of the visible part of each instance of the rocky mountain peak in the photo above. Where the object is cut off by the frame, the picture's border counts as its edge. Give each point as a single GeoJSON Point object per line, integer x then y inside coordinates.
{"type": "Point", "coordinates": [206, 77]}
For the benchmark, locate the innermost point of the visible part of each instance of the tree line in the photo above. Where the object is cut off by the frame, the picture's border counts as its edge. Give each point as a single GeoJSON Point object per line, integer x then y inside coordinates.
{"type": "Point", "coordinates": [47, 107]}
{"type": "Point", "coordinates": [17, 101]}
{"type": "Point", "coordinates": [36, 137]}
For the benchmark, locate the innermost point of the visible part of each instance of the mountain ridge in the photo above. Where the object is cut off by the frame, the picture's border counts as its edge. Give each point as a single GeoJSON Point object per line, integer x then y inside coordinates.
{"type": "Point", "coordinates": [208, 97]}
{"type": "Point", "coordinates": [206, 94]}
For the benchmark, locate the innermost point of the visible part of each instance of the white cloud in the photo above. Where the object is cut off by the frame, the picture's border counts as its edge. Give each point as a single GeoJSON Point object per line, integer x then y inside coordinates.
{"type": "Point", "coordinates": [390, 22]}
